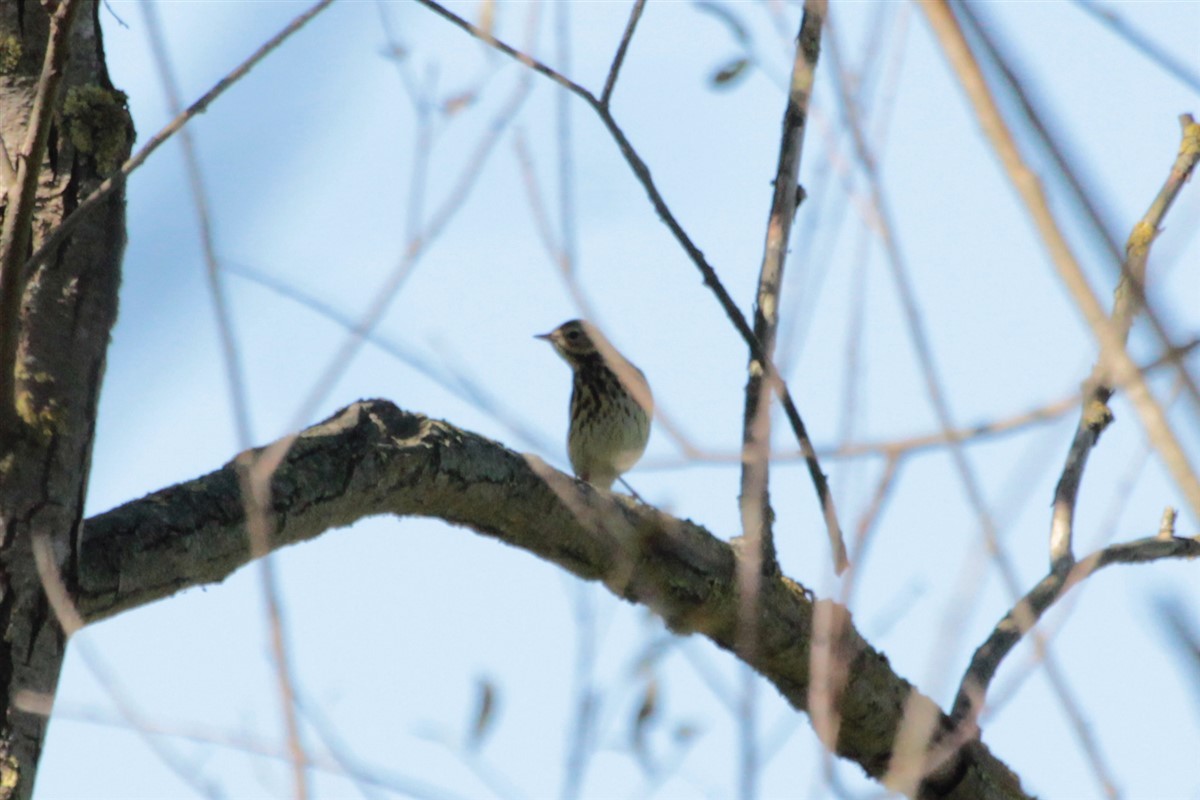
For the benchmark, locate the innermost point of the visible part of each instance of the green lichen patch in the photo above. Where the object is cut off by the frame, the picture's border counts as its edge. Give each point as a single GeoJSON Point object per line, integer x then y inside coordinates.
{"type": "Point", "coordinates": [96, 122]}
{"type": "Point", "coordinates": [10, 54]}
{"type": "Point", "coordinates": [41, 412]}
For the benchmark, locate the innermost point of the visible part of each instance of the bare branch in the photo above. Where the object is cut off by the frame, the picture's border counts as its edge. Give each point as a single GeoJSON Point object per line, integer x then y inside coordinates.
{"type": "Point", "coordinates": [1025, 614]}
{"type": "Point", "coordinates": [1131, 285]}
{"type": "Point", "coordinates": [373, 458]}
{"type": "Point", "coordinates": [60, 233]}
{"type": "Point", "coordinates": [1096, 416]}
{"type": "Point", "coordinates": [916, 325]}
{"type": "Point", "coordinates": [610, 82]}
{"type": "Point", "coordinates": [757, 556]}
{"type": "Point", "coordinates": [1118, 368]}
{"type": "Point", "coordinates": [1181, 70]}
{"type": "Point", "coordinates": [231, 356]}
{"type": "Point", "coordinates": [642, 172]}
{"type": "Point", "coordinates": [755, 501]}
{"type": "Point", "coordinates": [894, 448]}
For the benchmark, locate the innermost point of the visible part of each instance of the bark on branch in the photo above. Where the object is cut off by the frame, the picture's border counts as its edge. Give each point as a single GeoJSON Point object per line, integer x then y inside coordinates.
{"type": "Point", "coordinates": [374, 458]}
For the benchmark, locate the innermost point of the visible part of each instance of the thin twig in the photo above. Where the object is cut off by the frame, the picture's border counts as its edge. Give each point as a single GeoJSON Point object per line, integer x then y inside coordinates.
{"type": "Point", "coordinates": [1022, 91]}
{"type": "Point", "coordinates": [757, 555]}
{"type": "Point", "coordinates": [1025, 614]}
{"type": "Point", "coordinates": [755, 502]}
{"type": "Point", "coordinates": [1105, 533]}
{"type": "Point", "coordinates": [1131, 286]}
{"type": "Point", "coordinates": [642, 172]}
{"type": "Point", "coordinates": [582, 733]}
{"type": "Point", "coordinates": [908, 766]}
{"type": "Point", "coordinates": [21, 196]}
{"type": "Point", "coordinates": [915, 320]}
{"type": "Point", "coordinates": [564, 139]}
{"type": "Point", "coordinates": [60, 233]}
{"type": "Point", "coordinates": [610, 82]}
{"type": "Point", "coordinates": [339, 750]}
{"type": "Point", "coordinates": [1118, 368]}
{"type": "Point", "coordinates": [1142, 43]}
{"type": "Point", "coordinates": [1095, 415]}
{"type": "Point", "coordinates": [969, 434]}
{"type": "Point", "coordinates": [212, 273]}
{"type": "Point", "coordinates": [243, 744]}
{"type": "Point", "coordinates": [1082, 195]}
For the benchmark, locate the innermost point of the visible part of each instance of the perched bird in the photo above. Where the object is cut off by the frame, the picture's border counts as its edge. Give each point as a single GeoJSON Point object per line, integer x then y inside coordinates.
{"type": "Point", "coordinates": [611, 404]}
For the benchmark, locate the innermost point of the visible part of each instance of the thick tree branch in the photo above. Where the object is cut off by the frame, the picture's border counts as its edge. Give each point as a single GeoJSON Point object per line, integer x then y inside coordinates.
{"type": "Point", "coordinates": [373, 458]}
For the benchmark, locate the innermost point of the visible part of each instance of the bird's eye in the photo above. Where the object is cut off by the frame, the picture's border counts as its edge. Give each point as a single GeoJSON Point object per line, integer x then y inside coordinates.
{"type": "Point", "coordinates": [573, 335]}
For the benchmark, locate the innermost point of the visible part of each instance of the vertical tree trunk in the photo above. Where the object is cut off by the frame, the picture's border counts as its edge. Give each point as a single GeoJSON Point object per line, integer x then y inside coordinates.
{"type": "Point", "coordinates": [65, 309]}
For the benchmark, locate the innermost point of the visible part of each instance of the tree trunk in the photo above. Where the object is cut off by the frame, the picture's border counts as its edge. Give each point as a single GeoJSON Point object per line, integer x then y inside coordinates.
{"type": "Point", "coordinates": [58, 316]}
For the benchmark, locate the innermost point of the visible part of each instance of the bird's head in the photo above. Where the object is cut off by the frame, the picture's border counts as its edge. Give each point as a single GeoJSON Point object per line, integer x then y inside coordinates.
{"type": "Point", "coordinates": [573, 340]}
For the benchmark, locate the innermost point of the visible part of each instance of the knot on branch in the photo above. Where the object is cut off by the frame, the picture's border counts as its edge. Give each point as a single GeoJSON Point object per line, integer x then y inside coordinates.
{"type": "Point", "coordinates": [1097, 416]}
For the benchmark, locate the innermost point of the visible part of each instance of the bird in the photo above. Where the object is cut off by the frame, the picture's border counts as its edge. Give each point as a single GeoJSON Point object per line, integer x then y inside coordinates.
{"type": "Point", "coordinates": [611, 404]}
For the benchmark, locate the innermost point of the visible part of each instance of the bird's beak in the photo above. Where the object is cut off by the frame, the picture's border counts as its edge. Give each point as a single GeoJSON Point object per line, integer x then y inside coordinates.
{"type": "Point", "coordinates": [546, 336]}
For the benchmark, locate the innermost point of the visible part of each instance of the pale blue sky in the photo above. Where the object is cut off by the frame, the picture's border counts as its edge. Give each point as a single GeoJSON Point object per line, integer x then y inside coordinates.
{"type": "Point", "coordinates": [308, 164]}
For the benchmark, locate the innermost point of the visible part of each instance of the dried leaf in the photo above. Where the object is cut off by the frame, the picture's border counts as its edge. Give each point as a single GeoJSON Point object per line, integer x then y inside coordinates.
{"type": "Point", "coordinates": [457, 102]}
{"type": "Point", "coordinates": [727, 76]}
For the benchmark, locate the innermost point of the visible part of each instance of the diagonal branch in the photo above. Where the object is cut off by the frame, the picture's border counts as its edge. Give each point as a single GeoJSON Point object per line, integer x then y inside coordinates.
{"type": "Point", "coordinates": [610, 82]}
{"type": "Point", "coordinates": [757, 551]}
{"type": "Point", "coordinates": [373, 458]}
{"type": "Point", "coordinates": [755, 500]}
{"type": "Point", "coordinates": [1025, 614]}
{"type": "Point", "coordinates": [1095, 415]}
{"type": "Point", "coordinates": [642, 173]}
{"type": "Point", "coordinates": [115, 182]}
{"type": "Point", "coordinates": [1115, 363]}
{"type": "Point", "coordinates": [1181, 70]}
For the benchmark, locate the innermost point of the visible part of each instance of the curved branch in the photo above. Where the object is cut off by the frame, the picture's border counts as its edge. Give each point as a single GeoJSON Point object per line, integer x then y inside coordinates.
{"type": "Point", "coordinates": [1127, 301]}
{"type": "Point", "coordinates": [372, 458]}
{"type": "Point", "coordinates": [1025, 614]}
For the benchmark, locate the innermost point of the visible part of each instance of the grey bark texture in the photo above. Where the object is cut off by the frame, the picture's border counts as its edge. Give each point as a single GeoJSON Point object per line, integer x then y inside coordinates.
{"type": "Point", "coordinates": [374, 458]}
{"type": "Point", "coordinates": [64, 312]}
